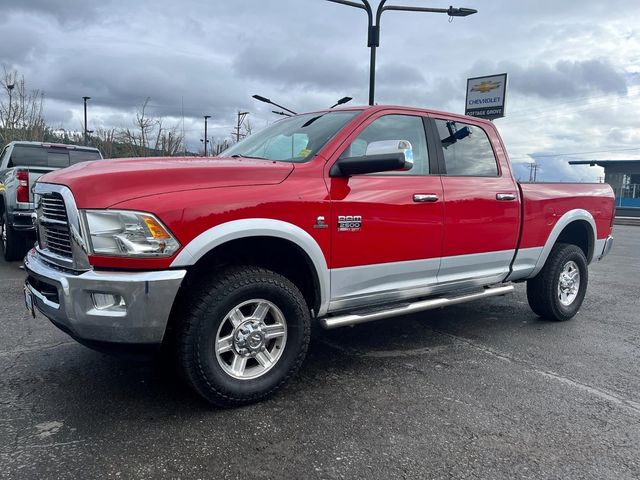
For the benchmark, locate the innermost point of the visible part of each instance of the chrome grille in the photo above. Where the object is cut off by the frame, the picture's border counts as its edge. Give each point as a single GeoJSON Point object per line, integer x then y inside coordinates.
{"type": "Point", "coordinates": [54, 232]}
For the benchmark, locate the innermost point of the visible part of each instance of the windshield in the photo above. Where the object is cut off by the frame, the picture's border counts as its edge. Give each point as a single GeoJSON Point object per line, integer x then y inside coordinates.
{"type": "Point", "coordinates": [296, 139]}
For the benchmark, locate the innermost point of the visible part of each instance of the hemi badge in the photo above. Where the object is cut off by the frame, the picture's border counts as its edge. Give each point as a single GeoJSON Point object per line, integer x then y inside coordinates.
{"type": "Point", "coordinates": [320, 223]}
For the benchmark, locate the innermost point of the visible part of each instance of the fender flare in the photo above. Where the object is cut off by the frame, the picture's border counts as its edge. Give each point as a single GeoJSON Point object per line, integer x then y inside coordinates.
{"type": "Point", "coordinates": [259, 227]}
{"type": "Point", "coordinates": [566, 219]}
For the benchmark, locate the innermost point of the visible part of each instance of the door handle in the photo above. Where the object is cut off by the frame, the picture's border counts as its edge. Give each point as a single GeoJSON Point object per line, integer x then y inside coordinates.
{"type": "Point", "coordinates": [425, 197]}
{"type": "Point", "coordinates": [505, 197]}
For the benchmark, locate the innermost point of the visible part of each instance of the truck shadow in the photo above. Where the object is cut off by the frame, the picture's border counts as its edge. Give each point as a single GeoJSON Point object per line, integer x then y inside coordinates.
{"type": "Point", "coordinates": [115, 387]}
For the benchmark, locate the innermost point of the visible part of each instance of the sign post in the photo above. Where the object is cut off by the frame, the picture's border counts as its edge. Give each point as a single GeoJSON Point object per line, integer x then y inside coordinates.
{"type": "Point", "coordinates": [486, 96]}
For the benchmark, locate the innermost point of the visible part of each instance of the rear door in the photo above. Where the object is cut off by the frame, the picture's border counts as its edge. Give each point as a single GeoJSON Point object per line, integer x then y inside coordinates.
{"type": "Point", "coordinates": [386, 228]}
{"type": "Point", "coordinates": [482, 207]}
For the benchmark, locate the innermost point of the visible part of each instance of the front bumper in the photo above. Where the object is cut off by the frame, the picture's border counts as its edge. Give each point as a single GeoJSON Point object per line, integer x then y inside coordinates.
{"type": "Point", "coordinates": [67, 299]}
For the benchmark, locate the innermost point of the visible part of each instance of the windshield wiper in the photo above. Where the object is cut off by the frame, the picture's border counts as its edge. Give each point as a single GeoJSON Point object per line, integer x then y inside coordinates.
{"type": "Point", "coordinates": [311, 120]}
{"type": "Point", "coordinates": [247, 156]}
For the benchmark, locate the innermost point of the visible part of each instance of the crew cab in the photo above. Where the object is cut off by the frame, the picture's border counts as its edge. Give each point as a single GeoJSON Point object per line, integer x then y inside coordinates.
{"type": "Point", "coordinates": [337, 217]}
{"type": "Point", "coordinates": [21, 164]}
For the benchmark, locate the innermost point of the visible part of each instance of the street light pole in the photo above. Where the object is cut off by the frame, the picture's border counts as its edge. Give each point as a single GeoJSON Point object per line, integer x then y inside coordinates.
{"type": "Point", "coordinates": [10, 88]}
{"type": "Point", "coordinates": [85, 119]}
{"type": "Point", "coordinates": [373, 33]}
{"type": "Point", "coordinates": [206, 139]}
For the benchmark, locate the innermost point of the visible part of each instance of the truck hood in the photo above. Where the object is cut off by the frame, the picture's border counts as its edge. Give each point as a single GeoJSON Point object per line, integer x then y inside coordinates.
{"type": "Point", "coordinates": [104, 183]}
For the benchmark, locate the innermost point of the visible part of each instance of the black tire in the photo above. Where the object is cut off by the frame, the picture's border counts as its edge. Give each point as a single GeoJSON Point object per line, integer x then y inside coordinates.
{"type": "Point", "coordinates": [543, 291]}
{"type": "Point", "coordinates": [207, 311]}
{"type": "Point", "coordinates": [13, 244]}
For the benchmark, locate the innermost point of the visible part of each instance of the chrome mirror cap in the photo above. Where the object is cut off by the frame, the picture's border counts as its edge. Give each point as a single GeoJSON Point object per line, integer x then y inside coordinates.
{"type": "Point", "coordinates": [384, 147]}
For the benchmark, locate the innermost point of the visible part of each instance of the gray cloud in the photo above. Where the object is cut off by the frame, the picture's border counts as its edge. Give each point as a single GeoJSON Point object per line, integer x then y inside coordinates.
{"type": "Point", "coordinates": [307, 53]}
{"type": "Point", "coordinates": [66, 11]}
{"type": "Point", "coordinates": [565, 78]}
{"type": "Point", "coordinates": [320, 70]}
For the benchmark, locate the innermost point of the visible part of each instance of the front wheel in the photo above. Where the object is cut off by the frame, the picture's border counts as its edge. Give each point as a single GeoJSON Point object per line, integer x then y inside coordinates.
{"type": "Point", "coordinates": [558, 290]}
{"type": "Point", "coordinates": [12, 243]}
{"type": "Point", "coordinates": [243, 335]}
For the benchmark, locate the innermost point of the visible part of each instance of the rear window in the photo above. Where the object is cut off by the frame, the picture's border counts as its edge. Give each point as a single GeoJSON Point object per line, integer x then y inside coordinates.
{"type": "Point", "coordinates": [77, 156]}
{"type": "Point", "coordinates": [34, 156]}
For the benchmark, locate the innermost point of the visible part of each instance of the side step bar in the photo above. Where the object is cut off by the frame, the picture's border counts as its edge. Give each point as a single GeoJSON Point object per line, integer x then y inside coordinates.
{"type": "Point", "coordinates": [405, 309]}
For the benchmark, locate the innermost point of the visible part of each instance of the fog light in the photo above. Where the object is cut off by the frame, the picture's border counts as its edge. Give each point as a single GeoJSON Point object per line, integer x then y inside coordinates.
{"type": "Point", "coordinates": [108, 301]}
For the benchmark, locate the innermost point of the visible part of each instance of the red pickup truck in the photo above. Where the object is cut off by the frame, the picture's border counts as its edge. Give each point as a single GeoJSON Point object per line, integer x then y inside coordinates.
{"type": "Point", "coordinates": [340, 217]}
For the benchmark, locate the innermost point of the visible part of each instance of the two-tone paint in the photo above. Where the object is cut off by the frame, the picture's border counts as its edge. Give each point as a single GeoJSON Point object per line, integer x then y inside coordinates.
{"type": "Point", "coordinates": [478, 231]}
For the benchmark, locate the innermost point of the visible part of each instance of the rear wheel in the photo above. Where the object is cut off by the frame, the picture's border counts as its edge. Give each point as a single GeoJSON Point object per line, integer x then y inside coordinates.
{"type": "Point", "coordinates": [12, 243]}
{"type": "Point", "coordinates": [558, 290]}
{"type": "Point", "coordinates": [243, 335]}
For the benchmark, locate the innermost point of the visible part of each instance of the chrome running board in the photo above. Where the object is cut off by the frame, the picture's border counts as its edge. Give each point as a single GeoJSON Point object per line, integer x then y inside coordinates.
{"type": "Point", "coordinates": [407, 308]}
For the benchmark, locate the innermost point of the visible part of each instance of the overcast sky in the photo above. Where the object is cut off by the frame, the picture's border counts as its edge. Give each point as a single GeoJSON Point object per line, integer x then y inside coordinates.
{"type": "Point", "coordinates": [573, 66]}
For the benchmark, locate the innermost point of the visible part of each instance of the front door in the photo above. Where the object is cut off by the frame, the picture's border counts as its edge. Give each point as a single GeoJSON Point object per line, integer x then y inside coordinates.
{"type": "Point", "coordinates": [387, 228]}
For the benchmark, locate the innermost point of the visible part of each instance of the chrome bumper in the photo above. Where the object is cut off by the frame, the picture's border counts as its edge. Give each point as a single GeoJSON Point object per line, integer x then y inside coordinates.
{"type": "Point", "coordinates": [68, 301]}
{"type": "Point", "coordinates": [608, 245]}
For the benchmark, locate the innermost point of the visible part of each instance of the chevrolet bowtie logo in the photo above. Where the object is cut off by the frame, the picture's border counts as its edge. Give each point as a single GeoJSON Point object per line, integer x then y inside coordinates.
{"type": "Point", "coordinates": [485, 87]}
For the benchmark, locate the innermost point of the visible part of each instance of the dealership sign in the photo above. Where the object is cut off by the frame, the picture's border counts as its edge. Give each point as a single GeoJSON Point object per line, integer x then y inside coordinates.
{"type": "Point", "coordinates": [485, 96]}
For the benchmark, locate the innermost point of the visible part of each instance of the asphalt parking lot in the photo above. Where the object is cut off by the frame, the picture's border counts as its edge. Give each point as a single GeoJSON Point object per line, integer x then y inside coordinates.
{"type": "Point", "coordinates": [483, 390]}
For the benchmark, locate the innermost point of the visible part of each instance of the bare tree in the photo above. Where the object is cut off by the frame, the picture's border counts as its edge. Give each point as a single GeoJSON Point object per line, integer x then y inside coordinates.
{"type": "Point", "coordinates": [247, 128]}
{"type": "Point", "coordinates": [149, 137]}
{"type": "Point", "coordinates": [106, 140]}
{"type": "Point", "coordinates": [20, 110]}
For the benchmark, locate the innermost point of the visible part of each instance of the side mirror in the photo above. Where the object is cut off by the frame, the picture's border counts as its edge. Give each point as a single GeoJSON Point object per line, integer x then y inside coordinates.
{"type": "Point", "coordinates": [345, 167]}
{"type": "Point", "coordinates": [392, 147]}
{"type": "Point", "coordinates": [382, 156]}
{"type": "Point", "coordinates": [455, 135]}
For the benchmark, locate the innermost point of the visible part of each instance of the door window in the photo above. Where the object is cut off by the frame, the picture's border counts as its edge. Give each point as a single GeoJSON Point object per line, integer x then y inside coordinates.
{"type": "Point", "coordinates": [467, 150]}
{"type": "Point", "coordinates": [394, 127]}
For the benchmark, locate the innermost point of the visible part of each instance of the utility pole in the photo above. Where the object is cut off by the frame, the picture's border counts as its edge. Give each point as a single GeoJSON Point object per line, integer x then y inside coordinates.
{"type": "Point", "coordinates": [86, 132]}
{"type": "Point", "coordinates": [206, 139]}
{"type": "Point", "coordinates": [533, 171]}
{"type": "Point", "coordinates": [373, 39]}
{"type": "Point", "coordinates": [241, 117]}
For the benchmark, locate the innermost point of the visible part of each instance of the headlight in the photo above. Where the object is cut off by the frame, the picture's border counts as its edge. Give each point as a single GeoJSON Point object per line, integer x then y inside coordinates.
{"type": "Point", "coordinates": [128, 234]}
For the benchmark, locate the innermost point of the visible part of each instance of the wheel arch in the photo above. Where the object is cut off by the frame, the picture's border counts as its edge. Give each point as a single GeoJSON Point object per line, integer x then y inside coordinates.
{"type": "Point", "coordinates": [274, 244]}
{"type": "Point", "coordinates": [576, 227]}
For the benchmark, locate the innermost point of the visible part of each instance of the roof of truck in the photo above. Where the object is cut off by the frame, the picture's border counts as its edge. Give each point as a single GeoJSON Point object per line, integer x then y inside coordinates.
{"type": "Point", "coordinates": [429, 111]}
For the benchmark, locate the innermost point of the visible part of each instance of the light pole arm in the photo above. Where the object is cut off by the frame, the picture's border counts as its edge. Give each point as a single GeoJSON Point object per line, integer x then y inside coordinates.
{"type": "Point", "coordinates": [350, 4]}
{"type": "Point", "coordinates": [284, 108]}
{"type": "Point", "coordinates": [452, 12]}
{"type": "Point", "coordinates": [415, 9]}
{"type": "Point", "coordinates": [373, 39]}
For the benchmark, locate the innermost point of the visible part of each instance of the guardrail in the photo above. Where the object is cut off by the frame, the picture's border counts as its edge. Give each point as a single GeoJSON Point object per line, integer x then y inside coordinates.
{"type": "Point", "coordinates": [627, 221]}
